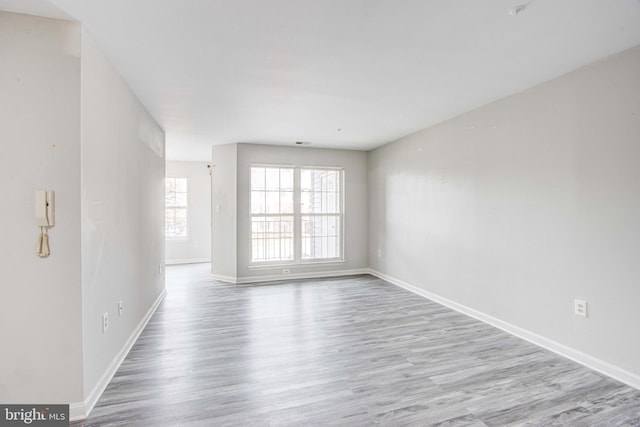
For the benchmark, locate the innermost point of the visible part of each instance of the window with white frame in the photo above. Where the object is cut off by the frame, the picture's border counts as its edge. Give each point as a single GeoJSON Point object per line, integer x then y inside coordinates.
{"type": "Point", "coordinates": [296, 214]}
{"type": "Point", "coordinates": [321, 213]}
{"type": "Point", "coordinates": [272, 214]}
{"type": "Point", "coordinates": [175, 213]}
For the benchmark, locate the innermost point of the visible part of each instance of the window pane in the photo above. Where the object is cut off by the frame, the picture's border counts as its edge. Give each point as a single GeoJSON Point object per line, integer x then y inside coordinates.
{"type": "Point", "coordinates": [170, 198]}
{"type": "Point", "coordinates": [181, 185]}
{"type": "Point", "coordinates": [286, 179]}
{"type": "Point", "coordinates": [273, 179]}
{"type": "Point", "coordinates": [333, 247]}
{"type": "Point", "coordinates": [175, 198]}
{"type": "Point", "coordinates": [305, 202]}
{"type": "Point", "coordinates": [305, 179]}
{"type": "Point", "coordinates": [272, 202]}
{"type": "Point", "coordinates": [181, 222]}
{"type": "Point", "coordinates": [331, 204]}
{"type": "Point", "coordinates": [272, 238]}
{"type": "Point", "coordinates": [320, 236]}
{"type": "Point", "coordinates": [287, 249]}
{"type": "Point", "coordinates": [286, 202]}
{"type": "Point", "coordinates": [332, 180]}
{"type": "Point", "coordinates": [169, 220]}
{"type": "Point", "coordinates": [257, 202]}
{"type": "Point", "coordinates": [257, 178]}
{"type": "Point", "coordinates": [320, 191]}
{"type": "Point", "coordinates": [181, 199]}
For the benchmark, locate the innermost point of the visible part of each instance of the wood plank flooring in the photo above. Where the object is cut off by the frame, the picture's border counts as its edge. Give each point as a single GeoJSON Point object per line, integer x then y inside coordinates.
{"type": "Point", "coordinates": [350, 351]}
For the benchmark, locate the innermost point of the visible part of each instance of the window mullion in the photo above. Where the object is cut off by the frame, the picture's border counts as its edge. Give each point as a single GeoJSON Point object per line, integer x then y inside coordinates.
{"type": "Point", "coordinates": [297, 217]}
{"type": "Point", "coordinates": [341, 217]}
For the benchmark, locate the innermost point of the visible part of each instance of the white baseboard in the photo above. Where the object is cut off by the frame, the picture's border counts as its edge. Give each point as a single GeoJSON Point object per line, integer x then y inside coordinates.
{"type": "Point", "coordinates": [81, 410]}
{"type": "Point", "coordinates": [186, 261]}
{"type": "Point", "coordinates": [587, 360]}
{"type": "Point", "coordinates": [222, 278]}
{"type": "Point", "coordinates": [275, 277]}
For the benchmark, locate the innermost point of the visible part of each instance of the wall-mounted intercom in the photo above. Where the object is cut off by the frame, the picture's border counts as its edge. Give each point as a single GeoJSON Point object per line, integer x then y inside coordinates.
{"type": "Point", "coordinates": [45, 219]}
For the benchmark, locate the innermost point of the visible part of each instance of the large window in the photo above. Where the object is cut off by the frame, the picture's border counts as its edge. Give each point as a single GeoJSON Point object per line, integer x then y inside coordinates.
{"type": "Point", "coordinates": [175, 213]}
{"type": "Point", "coordinates": [296, 214]}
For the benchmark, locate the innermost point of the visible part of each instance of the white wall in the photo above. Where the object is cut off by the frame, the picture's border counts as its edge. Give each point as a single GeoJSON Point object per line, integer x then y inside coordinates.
{"type": "Point", "coordinates": [356, 228]}
{"type": "Point", "coordinates": [197, 246]}
{"type": "Point", "coordinates": [122, 216]}
{"type": "Point", "coordinates": [224, 211]}
{"type": "Point", "coordinates": [519, 207]}
{"type": "Point", "coordinates": [40, 318]}
{"type": "Point", "coordinates": [71, 125]}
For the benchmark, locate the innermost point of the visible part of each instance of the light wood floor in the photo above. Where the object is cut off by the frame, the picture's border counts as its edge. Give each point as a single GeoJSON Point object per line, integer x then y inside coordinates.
{"type": "Point", "coordinates": [351, 351]}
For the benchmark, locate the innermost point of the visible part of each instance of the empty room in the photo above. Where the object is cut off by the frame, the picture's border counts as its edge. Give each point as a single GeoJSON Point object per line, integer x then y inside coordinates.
{"type": "Point", "coordinates": [320, 212]}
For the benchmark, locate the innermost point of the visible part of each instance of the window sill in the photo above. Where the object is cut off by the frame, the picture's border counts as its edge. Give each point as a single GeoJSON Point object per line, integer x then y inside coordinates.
{"type": "Point", "coordinates": [176, 239]}
{"type": "Point", "coordinates": [303, 264]}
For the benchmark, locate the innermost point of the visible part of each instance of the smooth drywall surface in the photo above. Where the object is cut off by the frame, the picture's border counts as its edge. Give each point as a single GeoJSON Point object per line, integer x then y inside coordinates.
{"type": "Point", "coordinates": [196, 247]}
{"type": "Point", "coordinates": [223, 211]}
{"type": "Point", "coordinates": [521, 206]}
{"type": "Point", "coordinates": [122, 212]}
{"type": "Point", "coordinates": [355, 209]}
{"type": "Point", "coordinates": [40, 318]}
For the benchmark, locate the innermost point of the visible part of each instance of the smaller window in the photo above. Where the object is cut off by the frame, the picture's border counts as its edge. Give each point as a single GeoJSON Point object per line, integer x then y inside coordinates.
{"type": "Point", "coordinates": [175, 214]}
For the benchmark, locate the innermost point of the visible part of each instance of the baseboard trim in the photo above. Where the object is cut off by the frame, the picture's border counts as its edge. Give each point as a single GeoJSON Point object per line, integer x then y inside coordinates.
{"type": "Point", "coordinates": [276, 277]}
{"type": "Point", "coordinates": [81, 410]}
{"type": "Point", "coordinates": [577, 356]}
{"type": "Point", "coordinates": [222, 278]}
{"type": "Point", "coordinates": [186, 261]}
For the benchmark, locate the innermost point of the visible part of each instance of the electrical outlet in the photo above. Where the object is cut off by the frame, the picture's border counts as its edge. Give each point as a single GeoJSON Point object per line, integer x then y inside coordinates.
{"type": "Point", "coordinates": [580, 308]}
{"type": "Point", "coordinates": [120, 308]}
{"type": "Point", "coordinates": [105, 322]}
{"type": "Point", "coordinates": [379, 253]}
{"type": "Point", "coordinates": [286, 271]}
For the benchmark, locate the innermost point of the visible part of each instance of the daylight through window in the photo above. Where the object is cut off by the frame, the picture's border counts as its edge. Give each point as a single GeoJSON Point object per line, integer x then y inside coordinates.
{"type": "Point", "coordinates": [175, 216]}
{"type": "Point", "coordinates": [296, 214]}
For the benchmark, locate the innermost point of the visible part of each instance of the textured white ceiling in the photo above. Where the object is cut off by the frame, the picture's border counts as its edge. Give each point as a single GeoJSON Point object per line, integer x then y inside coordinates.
{"type": "Point", "coordinates": [337, 73]}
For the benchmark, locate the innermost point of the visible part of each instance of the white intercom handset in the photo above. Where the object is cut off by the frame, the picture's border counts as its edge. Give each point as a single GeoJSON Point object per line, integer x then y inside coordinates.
{"type": "Point", "coordinates": [45, 219]}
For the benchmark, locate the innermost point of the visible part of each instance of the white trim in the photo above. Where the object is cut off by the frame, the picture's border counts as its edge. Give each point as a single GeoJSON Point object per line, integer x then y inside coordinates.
{"type": "Point", "coordinates": [81, 410]}
{"type": "Point", "coordinates": [266, 266]}
{"type": "Point", "coordinates": [77, 411]}
{"type": "Point", "coordinates": [223, 278]}
{"type": "Point", "coordinates": [277, 277]}
{"type": "Point", "coordinates": [186, 261]}
{"type": "Point", "coordinates": [587, 360]}
{"type": "Point", "coordinates": [176, 239]}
